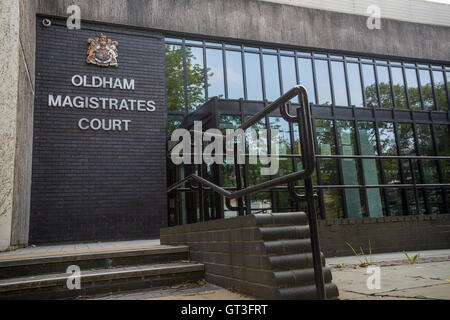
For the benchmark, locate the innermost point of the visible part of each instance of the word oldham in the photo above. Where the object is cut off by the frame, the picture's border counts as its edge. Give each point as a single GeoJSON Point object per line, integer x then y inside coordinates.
{"type": "Point", "coordinates": [102, 82]}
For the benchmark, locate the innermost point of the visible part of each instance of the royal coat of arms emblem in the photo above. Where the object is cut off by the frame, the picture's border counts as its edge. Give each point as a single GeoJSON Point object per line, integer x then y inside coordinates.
{"type": "Point", "coordinates": [103, 52]}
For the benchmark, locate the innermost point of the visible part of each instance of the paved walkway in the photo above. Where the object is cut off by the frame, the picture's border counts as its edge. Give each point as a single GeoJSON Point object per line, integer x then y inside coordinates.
{"type": "Point", "coordinates": [189, 291]}
{"type": "Point", "coordinates": [68, 249]}
{"type": "Point", "coordinates": [428, 278]}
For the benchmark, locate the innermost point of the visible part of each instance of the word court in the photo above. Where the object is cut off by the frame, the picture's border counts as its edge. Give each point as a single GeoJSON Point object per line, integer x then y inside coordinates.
{"type": "Point", "coordinates": [102, 103]}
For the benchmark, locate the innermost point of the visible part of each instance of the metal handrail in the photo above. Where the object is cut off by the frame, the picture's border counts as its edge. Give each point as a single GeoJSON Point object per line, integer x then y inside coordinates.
{"type": "Point", "coordinates": [304, 120]}
{"type": "Point", "coordinates": [309, 167]}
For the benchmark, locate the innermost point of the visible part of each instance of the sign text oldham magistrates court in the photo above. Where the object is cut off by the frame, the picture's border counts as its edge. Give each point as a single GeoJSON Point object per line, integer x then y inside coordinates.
{"type": "Point", "coordinates": [100, 127]}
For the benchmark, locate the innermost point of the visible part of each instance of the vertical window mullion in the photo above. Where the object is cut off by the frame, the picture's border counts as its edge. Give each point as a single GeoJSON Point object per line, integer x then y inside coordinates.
{"type": "Point", "coordinates": [263, 80]}
{"type": "Point", "coordinates": [244, 69]}
{"type": "Point", "coordinates": [185, 86]}
{"type": "Point", "coordinates": [225, 75]}
{"type": "Point", "coordinates": [361, 167]}
{"type": "Point", "coordinates": [205, 71]}
{"type": "Point", "coordinates": [330, 75]}
{"type": "Point", "coordinates": [349, 98]}
{"type": "Point", "coordinates": [383, 174]}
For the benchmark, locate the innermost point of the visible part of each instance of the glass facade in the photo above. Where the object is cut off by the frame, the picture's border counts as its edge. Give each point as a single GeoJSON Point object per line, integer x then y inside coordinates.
{"type": "Point", "coordinates": [368, 156]}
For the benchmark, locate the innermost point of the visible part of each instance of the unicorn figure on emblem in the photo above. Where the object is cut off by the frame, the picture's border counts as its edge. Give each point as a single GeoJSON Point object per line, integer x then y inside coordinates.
{"type": "Point", "coordinates": [103, 52]}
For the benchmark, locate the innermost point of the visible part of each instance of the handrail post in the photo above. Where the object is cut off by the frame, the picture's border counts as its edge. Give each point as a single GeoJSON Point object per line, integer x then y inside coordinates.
{"type": "Point", "coordinates": [308, 150]}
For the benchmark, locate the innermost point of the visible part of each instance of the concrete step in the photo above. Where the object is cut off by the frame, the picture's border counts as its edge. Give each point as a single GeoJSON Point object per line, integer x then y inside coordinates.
{"type": "Point", "coordinates": [300, 277]}
{"type": "Point", "coordinates": [281, 219]}
{"type": "Point", "coordinates": [285, 247]}
{"type": "Point", "coordinates": [284, 233]}
{"type": "Point", "coordinates": [54, 286]}
{"type": "Point", "coordinates": [11, 267]}
{"type": "Point", "coordinates": [293, 261]}
{"type": "Point", "coordinates": [308, 292]}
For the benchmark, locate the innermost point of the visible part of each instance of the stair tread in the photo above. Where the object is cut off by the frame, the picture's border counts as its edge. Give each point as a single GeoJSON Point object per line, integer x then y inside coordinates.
{"type": "Point", "coordinates": [9, 261]}
{"type": "Point", "coordinates": [120, 272]}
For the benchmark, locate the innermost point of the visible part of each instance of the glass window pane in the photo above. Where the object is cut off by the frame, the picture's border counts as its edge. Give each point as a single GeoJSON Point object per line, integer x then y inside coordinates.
{"type": "Point", "coordinates": [253, 76]}
{"type": "Point", "coordinates": [425, 140]}
{"type": "Point", "coordinates": [413, 89]}
{"type": "Point", "coordinates": [278, 123]}
{"type": "Point", "coordinates": [235, 78]}
{"type": "Point", "coordinates": [216, 84]}
{"type": "Point", "coordinates": [323, 82]}
{"type": "Point", "coordinates": [347, 144]}
{"type": "Point", "coordinates": [271, 77]}
{"type": "Point", "coordinates": [326, 141]}
{"type": "Point", "coordinates": [392, 171]}
{"type": "Point", "coordinates": [394, 197]}
{"type": "Point", "coordinates": [306, 77]}
{"type": "Point", "coordinates": [256, 147]}
{"type": "Point", "coordinates": [406, 139]}
{"type": "Point", "coordinates": [443, 144]}
{"type": "Point", "coordinates": [427, 90]}
{"type": "Point", "coordinates": [174, 123]}
{"type": "Point", "coordinates": [370, 87]}
{"type": "Point", "coordinates": [399, 88]}
{"type": "Point", "coordinates": [434, 199]}
{"type": "Point", "coordinates": [368, 142]}
{"type": "Point", "coordinates": [384, 85]}
{"type": "Point", "coordinates": [261, 203]}
{"type": "Point", "coordinates": [175, 78]}
{"type": "Point", "coordinates": [329, 172]}
{"type": "Point", "coordinates": [443, 139]}
{"type": "Point", "coordinates": [340, 88]}
{"type": "Point", "coordinates": [173, 40]}
{"type": "Point", "coordinates": [195, 77]}
{"type": "Point", "coordinates": [288, 73]}
{"type": "Point", "coordinates": [387, 139]}
{"type": "Point", "coordinates": [333, 204]}
{"type": "Point", "coordinates": [430, 172]}
{"type": "Point", "coordinates": [354, 83]}
{"type": "Point", "coordinates": [228, 170]}
{"type": "Point", "coordinates": [439, 88]}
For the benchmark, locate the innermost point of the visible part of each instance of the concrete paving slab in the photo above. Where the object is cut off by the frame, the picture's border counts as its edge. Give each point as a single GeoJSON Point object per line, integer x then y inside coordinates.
{"type": "Point", "coordinates": [192, 291]}
{"type": "Point", "coordinates": [419, 281]}
{"type": "Point", "coordinates": [220, 294]}
{"type": "Point", "coordinates": [67, 249]}
{"type": "Point", "coordinates": [436, 292]}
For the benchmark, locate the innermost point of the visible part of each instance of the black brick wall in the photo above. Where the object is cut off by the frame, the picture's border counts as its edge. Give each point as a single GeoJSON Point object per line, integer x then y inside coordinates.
{"type": "Point", "coordinates": [387, 234]}
{"type": "Point", "coordinates": [91, 186]}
